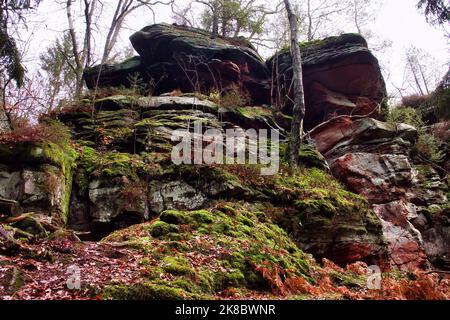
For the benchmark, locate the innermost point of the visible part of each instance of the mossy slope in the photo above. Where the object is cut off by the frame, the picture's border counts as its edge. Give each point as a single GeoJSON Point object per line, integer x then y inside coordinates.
{"type": "Point", "coordinates": [198, 254]}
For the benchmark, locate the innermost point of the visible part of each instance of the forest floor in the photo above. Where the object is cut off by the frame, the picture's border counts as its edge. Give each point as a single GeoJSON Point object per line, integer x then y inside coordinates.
{"type": "Point", "coordinates": [45, 271]}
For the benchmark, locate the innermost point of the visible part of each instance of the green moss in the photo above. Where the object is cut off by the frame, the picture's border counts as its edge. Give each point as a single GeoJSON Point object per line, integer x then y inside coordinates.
{"type": "Point", "coordinates": [160, 229]}
{"type": "Point", "coordinates": [174, 217]}
{"type": "Point", "coordinates": [185, 284]}
{"type": "Point", "coordinates": [110, 164]}
{"type": "Point", "coordinates": [254, 112]}
{"type": "Point", "coordinates": [318, 190]}
{"type": "Point", "coordinates": [434, 209]}
{"type": "Point", "coordinates": [348, 279]}
{"type": "Point", "coordinates": [234, 279]}
{"type": "Point", "coordinates": [228, 210]}
{"type": "Point", "coordinates": [316, 205]}
{"type": "Point", "coordinates": [59, 154]}
{"type": "Point", "coordinates": [222, 227]}
{"type": "Point", "coordinates": [177, 266]}
{"type": "Point", "coordinates": [177, 245]}
{"type": "Point", "coordinates": [246, 221]}
{"type": "Point", "coordinates": [13, 280]}
{"type": "Point", "coordinates": [32, 226]}
{"type": "Point", "coordinates": [310, 157]}
{"type": "Point", "coordinates": [146, 291]}
{"type": "Point", "coordinates": [348, 38]}
{"type": "Point", "coordinates": [149, 123]}
{"type": "Point", "coordinates": [202, 216]}
{"type": "Point", "coordinates": [215, 250]}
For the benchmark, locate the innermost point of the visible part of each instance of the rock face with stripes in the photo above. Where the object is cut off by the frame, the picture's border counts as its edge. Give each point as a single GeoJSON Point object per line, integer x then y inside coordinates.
{"type": "Point", "coordinates": [374, 159]}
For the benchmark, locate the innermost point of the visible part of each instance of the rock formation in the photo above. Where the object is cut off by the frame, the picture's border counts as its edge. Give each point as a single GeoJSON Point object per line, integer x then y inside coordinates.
{"type": "Point", "coordinates": [187, 59]}
{"type": "Point", "coordinates": [374, 160]}
{"type": "Point", "coordinates": [341, 77]}
{"type": "Point", "coordinates": [116, 171]}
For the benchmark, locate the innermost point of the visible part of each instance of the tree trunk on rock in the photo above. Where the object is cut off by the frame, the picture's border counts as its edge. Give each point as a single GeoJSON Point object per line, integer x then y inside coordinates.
{"type": "Point", "coordinates": [298, 113]}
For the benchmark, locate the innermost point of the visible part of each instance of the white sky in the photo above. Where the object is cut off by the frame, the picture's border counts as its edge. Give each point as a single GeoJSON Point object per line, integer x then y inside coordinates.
{"type": "Point", "coordinates": [398, 21]}
{"type": "Point", "coordinates": [401, 22]}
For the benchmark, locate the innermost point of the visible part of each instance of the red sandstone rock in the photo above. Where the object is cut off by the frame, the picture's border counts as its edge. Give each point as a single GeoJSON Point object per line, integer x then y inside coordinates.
{"type": "Point", "coordinates": [341, 77]}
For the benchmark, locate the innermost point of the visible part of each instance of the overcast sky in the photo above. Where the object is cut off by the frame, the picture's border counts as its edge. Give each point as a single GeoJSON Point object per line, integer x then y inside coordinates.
{"type": "Point", "coordinates": [401, 22]}
{"type": "Point", "coordinates": [398, 21]}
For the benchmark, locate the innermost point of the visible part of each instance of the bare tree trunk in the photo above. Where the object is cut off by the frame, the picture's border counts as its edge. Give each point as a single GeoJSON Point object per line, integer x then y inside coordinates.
{"type": "Point", "coordinates": [215, 16]}
{"type": "Point", "coordinates": [310, 22]}
{"type": "Point", "coordinates": [5, 117]}
{"type": "Point", "coordinates": [298, 112]}
{"type": "Point", "coordinates": [355, 16]}
{"type": "Point", "coordinates": [114, 29]}
{"type": "Point", "coordinates": [416, 79]}
{"type": "Point", "coordinates": [123, 9]}
{"type": "Point", "coordinates": [5, 123]}
{"type": "Point", "coordinates": [75, 51]}
{"type": "Point", "coordinates": [424, 79]}
{"type": "Point", "coordinates": [89, 8]}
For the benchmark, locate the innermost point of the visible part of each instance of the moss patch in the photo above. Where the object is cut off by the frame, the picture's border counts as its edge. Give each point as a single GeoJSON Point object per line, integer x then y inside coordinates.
{"type": "Point", "coordinates": [212, 251]}
{"type": "Point", "coordinates": [145, 291]}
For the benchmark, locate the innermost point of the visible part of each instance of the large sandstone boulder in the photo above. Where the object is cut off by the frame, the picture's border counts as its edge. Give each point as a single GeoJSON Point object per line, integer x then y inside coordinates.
{"type": "Point", "coordinates": [349, 134]}
{"type": "Point", "coordinates": [176, 57]}
{"type": "Point", "coordinates": [116, 75]}
{"type": "Point", "coordinates": [341, 77]}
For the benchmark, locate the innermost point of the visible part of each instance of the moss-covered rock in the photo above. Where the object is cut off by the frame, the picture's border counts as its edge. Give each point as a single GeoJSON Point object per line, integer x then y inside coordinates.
{"type": "Point", "coordinates": [46, 168]}
{"type": "Point", "coordinates": [146, 291]}
{"type": "Point", "coordinates": [160, 229]}
{"type": "Point", "coordinates": [200, 253]}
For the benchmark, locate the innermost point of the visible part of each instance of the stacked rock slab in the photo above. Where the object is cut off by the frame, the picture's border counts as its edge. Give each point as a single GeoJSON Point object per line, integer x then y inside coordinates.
{"type": "Point", "coordinates": [187, 59]}
{"type": "Point", "coordinates": [36, 178]}
{"type": "Point", "coordinates": [125, 174]}
{"type": "Point", "coordinates": [341, 77]}
{"type": "Point", "coordinates": [373, 159]}
{"type": "Point", "coordinates": [135, 167]}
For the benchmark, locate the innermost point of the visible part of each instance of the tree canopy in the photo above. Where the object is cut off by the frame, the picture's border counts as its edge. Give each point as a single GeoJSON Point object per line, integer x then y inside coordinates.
{"type": "Point", "coordinates": [11, 12]}
{"type": "Point", "coordinates": [436, 11]}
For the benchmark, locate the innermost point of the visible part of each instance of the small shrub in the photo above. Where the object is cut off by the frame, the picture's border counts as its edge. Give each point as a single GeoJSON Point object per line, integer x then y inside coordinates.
{"type": "Point", "coordinates": [442, 131]}
{"type": "Point", "coordinates": [416, 101]}
{"type": "Point", "coordinates": [406, 115]}
{"type": "Point", "coordinates": [50, 131]}
{"type": "Point", "coordinates": [428, 146]}
{"type": "Point", "coordinates": [215, 96]}
{"type": "Point", "coordinates": [137, 85]}
{"type": "Point", "coordinates": [235, 97]}
{"type": "Point", "coordinates": [132, 194]}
